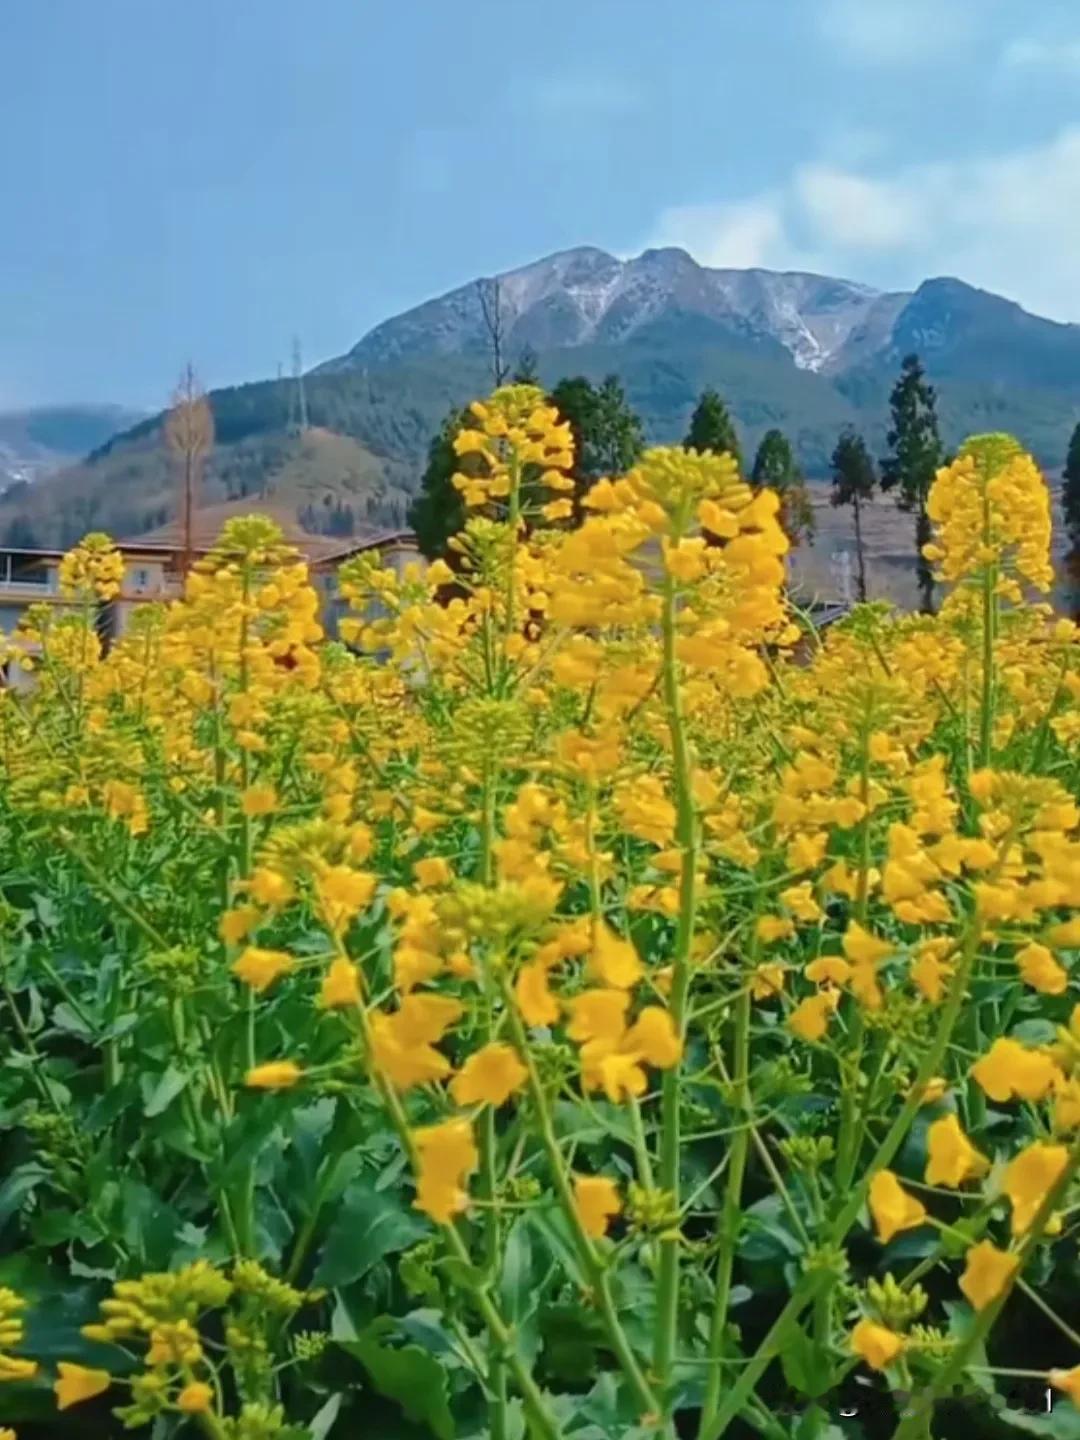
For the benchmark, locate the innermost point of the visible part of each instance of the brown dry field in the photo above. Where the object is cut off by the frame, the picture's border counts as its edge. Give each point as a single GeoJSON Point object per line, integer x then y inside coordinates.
{"type": "Point", "coordinates": [889, 541]}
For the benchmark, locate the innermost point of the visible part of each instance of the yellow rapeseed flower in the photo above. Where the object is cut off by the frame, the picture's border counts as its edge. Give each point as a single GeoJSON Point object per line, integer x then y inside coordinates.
{"type": "Point", "coordinates": [446, 1155]}
{"type": "Point", "coordinates": [892, 1208]}
{"type": "Point", "coordinates": [876, 1344]}
{"type": "Point", "coordinates": [260, 968]}
{"type": "Point", "coordinates": [274, 1075]}
{"type": "Point", "coordinates": [341, 985]}
{"type": "Point", "coordinates": [987, 1272]}
{"type": "Point", "coordinates": [613, 960]}
{"type": "Point", "coordinates": [1028, 1179]}
{"type": "Point", "coordinates": [195, 1398]}
{"type": "Point", "coordinates": [597, 1201]}
{"type": "Point", "coordinates": [77, 1383]}
{"type": "Point", "coordinates": [489, 1076]}
{"type": "Point", "coordinates": [1009, 1070]}
{"type": "Point", "coordinates": [951, 1157]}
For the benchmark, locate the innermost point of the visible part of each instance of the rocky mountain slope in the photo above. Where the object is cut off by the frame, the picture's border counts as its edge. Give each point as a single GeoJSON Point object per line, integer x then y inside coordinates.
{"type": "Point", "coordinates": [834, 327]}
{"type": "Point", "coordinates": [587, 297]}
{"type": "Point", "coordinates": [807, 353]}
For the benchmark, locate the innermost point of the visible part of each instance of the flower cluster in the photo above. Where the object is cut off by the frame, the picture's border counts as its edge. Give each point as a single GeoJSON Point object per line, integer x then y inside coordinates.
{"type": "Point", "coordinates": [562, 933]}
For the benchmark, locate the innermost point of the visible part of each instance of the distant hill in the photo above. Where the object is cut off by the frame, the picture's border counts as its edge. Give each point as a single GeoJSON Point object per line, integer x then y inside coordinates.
{"type": "Point", "coordinates": [36, 441]}
{"type": "Point", "coordinates": [806, 353]}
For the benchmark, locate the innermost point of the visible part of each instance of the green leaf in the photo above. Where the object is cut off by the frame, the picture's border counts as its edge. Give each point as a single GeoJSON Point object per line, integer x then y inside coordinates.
{"type": "Point", "coordinates": [814, 1424]}
{"type": "Point", "coordinates": [515, 1283]}
{"type": "Point", "coordinates": [369, 1225]}
{"type": "Point", "coordinates": [571, 1336]}
{"type": "Point", "coordinates": [18, 1185]}
{"type": "Point", "coordinates": [805, 1364]}
{"type": "Point", "coordinates": [1063, 1423]}
{"type": "Point", "coordinates": [550, 1225]}
{"type": "Point", "coordinates": [323, 1422]}
{"type": "Point", "coordinates": [168, 1087]}
{"type": "Point", "coordinates": [65, 1018]}
{"type": "Point", "coordinates": [518, 1293]}
{"type": "Point", "coordinates": [408, 1376]}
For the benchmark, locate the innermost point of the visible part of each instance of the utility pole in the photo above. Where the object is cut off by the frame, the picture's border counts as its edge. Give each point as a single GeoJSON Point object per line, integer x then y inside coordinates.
{"type": "Point", "coordinates": [301, 411]}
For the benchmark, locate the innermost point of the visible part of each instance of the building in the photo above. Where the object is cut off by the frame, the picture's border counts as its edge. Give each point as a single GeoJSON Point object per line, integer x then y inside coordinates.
{"type": "Point", "coordinates": [153, 568]}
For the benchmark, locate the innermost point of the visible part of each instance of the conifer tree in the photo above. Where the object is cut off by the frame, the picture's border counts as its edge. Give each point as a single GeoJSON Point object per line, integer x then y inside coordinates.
{"type": "Point", "coordinates": [1070, 506]}
{"type": "Point", "coordinates": [1070, 494]}
{"type": "Point", "coordinates": [608, 435]}
{"type": "Point", "coordinates": [438, 511]}
{"type": "Point", "coordinates": [853, 482]}
{"type": "Point", "coordinates": [775, 466]}
{"type": "Point", "coordinates": [915, 453]}
{"type": "Point", "coordinates": [712, 428]}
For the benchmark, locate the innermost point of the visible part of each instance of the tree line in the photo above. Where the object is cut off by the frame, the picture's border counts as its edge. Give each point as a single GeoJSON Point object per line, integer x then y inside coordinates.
{"type": "Point", "coordinates": [609, 437]}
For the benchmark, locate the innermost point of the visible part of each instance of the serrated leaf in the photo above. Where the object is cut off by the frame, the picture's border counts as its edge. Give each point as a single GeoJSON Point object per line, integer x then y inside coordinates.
{"type": "Point", "coordinates": [19, 1184]}
{"type": "Point", "coordinates": [409, 1376]}
{"type": "Point", "coordinates": [369, 1224]}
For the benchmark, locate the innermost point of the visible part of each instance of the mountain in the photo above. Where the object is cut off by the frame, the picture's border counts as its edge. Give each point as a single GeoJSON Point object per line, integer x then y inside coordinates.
{"type": "Point", "coordinates": [807, 353]}
{"type": "Point", "coordinates": [36, 441]}
{"type": "Point", "coordinates": [587, 297]}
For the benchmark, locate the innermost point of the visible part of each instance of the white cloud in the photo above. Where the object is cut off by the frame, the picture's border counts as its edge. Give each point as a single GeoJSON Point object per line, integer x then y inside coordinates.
{"type": "Point", "coordinates": [581, 92]}
{"type": "Point", "coordinates": [1030, 54]}
{"type": "Point", "coordinates": [894, 32]}
{"type": "Point", "coordinates": [1006, 223]}
{"type": "Point", "coordinates": [854, 211]}
{"type": "Point", "coordinates": [740, 236]}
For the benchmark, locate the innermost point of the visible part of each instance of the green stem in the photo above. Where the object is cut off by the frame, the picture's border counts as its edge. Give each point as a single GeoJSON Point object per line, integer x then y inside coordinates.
{"type": "Point", "coordinates": [730, 1214]}
{"type": "Point", "coordinates": [211, 1426]}
{"type": "Point", "coordinates": [502, 1338]}
{"type": "Point", "coordinates": [667, 1304]}
{"type": "Point", "coordinates": [851, 1120]}
{"type": "Point", "coordinates": [917, 1418]}
{"type": "Point", "coordinates": [245, 1205]}
{"type": "Point", "coordinates": [310, 1225]}
{"type": "Point", "coordinates": [989, 629]}
{"type": "Point", "coordinates": [736, 1397]}
{"type": "Point", "coordinates": [590, 1260]}
{"type": "Point", "coordinates": [37, 1070]}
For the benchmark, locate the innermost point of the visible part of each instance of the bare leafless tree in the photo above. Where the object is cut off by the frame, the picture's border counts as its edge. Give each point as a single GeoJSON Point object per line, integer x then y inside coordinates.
{"type": "Point", "coordinates": [189, 436]}
{"type": "Point", "coordinates": [489, 292]}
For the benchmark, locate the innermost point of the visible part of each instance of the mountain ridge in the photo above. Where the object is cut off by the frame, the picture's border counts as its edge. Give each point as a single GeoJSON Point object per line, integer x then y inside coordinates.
{"type": "Point", "coordinates": [586, 295]}
{"type": "Point", "coordinates": [806, 353]}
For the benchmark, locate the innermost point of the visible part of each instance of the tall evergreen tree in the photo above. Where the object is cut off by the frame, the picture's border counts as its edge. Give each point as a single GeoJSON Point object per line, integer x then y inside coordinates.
{"type": "Point", "coordinates": [1070, 506]}
{"type": "Point", "coordinates": [608, 435]}
{"type": "Point", "coordinates": [915, 452]}
{"type": "Point", "coordinates": [608, 439]}
{"type": "Point", "coordinates": [775, 467]}
{"type": "Point", "coordinates": [1070, 494]}
{"type": "Point", "coordinates": [712, 428]}
{"type": "Point", "coordinates": [438, 511]}
{"type": "Point", "coordinates": [853, 482]}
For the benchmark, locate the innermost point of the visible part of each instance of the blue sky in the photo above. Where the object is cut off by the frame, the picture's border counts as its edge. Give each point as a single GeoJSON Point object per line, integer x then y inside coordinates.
{"type": "Point", "coordinates": [208, 179]}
